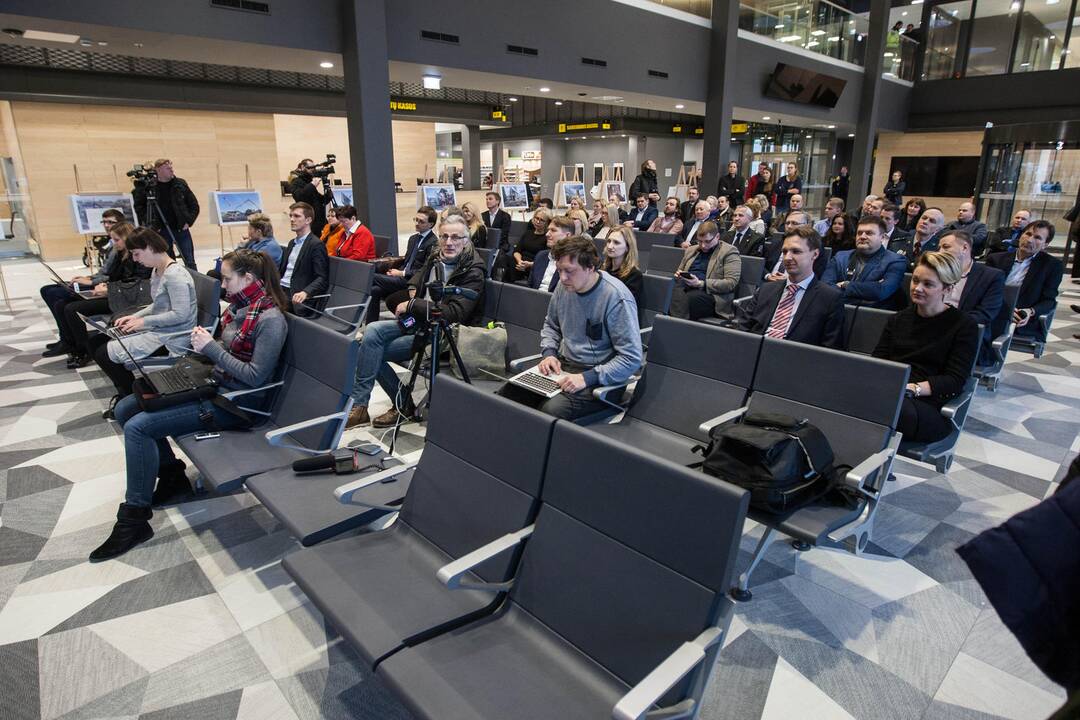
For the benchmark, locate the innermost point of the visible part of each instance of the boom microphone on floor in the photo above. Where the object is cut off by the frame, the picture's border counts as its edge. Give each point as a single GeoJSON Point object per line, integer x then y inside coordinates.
{"type": "Point", "coordinates": [341, 462]}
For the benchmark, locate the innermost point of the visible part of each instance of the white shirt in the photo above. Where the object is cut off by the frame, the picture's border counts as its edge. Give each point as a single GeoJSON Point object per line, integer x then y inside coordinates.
{"type": "Point", "coordinates": [291, 264]}
{"type": "Point", "coordinates": [802, 285]}
{"type": "Point", "coordinates": [1019, 271]}
{"type": "Point", "coordinates": [693, 231]}
{"type": "Point", "coordinates": [549, 272]}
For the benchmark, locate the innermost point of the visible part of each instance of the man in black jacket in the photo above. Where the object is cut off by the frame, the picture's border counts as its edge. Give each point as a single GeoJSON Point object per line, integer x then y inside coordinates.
{"type": "Point", "coordinates": [890, 214]}
{"type": "Point", "coordinates": [965, 220]}
{"type": "Point", "coordinates": [1008, 237]}
{"type": "Point", "coordinates": [646, 183]}
{"type": "Point", "coordinates": [799, 308]}
{"type": "Point", "coordinates": [980, 292]}
{"type": "Point", "coordinates": [454, 263]}
{"type": "Point", "coordinates": [745, 240]}
{"type": "Point", "coordinates": [497, 218]}
{"type": "Point", "coordinates": [304, 188]}
{"type": "Point", "coordinates": [733, 185]}
{"type": "Point", "coordinates": [305, 268]}
{"type": "Point", "coordinates": [686, 210]}
{"type": "Point", "coordinates": [176, 210]}
{"type": "Point", "coordinates": [1037, 274]}
{"type": "Point", "coordinates": [394, 275]}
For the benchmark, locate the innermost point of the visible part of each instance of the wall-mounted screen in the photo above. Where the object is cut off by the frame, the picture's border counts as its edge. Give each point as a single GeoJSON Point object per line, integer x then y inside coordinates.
{"type": "Point", "coordinates": [804, 86]}
{"type": "Point", "coordinates": [943, 176]}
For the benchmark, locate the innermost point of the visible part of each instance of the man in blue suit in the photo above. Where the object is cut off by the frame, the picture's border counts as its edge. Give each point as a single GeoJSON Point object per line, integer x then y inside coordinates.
{"type": "Point", "coordinates": [641, 215]}
{"type": "Point", "coordinates": [543, 275]}
{"type": "Point", "coordinates": [394, 275]}
{"type": "Point", "coordinates": [870, 274]}
{"type": "Point", "coordinates": [799, 308]}
{"type": "Point", "coordinates": [980, 292]}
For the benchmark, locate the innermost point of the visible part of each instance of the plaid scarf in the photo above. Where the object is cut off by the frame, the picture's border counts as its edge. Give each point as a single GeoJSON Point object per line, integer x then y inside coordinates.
{"type": "Point", "coordinates": [255, 299]}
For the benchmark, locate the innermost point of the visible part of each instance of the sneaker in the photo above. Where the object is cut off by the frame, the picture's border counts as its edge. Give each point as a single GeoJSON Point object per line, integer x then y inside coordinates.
{"type": "Point", "coordinates": [56, 351]}
{"type": "Point", "coordinates": [357, 416]}
{"type": "Point", "coordinates": [390, 417]}
{"type": "Point", "coordinates": [108, 413]}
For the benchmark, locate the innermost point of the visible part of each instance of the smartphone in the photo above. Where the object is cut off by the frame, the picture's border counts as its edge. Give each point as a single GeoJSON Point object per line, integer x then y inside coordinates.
{"type": "Point", "coordinates": [207, 435]}
{"type": "Point", "coordinates": [368, 449]}
{"type": "Point", "coordinates": [684, 274]}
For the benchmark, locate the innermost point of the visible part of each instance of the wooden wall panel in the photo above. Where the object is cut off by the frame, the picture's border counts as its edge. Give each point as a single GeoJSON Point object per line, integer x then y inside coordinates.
{"type": "Point", "coordinates": [924, 145]}
{"type": "Point", "coordinates": [414, 148]}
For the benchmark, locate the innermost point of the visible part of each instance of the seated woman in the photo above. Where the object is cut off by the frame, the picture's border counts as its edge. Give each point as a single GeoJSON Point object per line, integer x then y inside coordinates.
{"type": "Point", "coordinates": [119, 267]}
{"type": "Point", "coordinates": [621, 262]}
{"type": "Point", "coordinates": [938, 342]}
{"type": "Point", "coordinates": [332, 231]}
{"type": "Point", "coordinates": [356, 241]}
{"type": "Point", "coordinates": [172, 311]}
{"type": "Point", "coordinates": [259, 238]}
{"type": "Point", "coordinates": [597, 219]}
{"type": "Point", "coordinates": [477, 229]}
{"type": "Point", "coordinates": [533, 241]}
{"type": "Point", "coordinates": [841, 235]}
{"type": "Point", "coordinates": [580, 220]}
{"type": "Point", "coordinates": [253, 331]}
{"type": "Point", "coordinates": [758, 223]}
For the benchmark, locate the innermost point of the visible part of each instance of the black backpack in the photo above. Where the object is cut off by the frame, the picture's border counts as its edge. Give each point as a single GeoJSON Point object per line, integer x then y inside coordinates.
{"type": "Point", "coordinates": [785, 462]}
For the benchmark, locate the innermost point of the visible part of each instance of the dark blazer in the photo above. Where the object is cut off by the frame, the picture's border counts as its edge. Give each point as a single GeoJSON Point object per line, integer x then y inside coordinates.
{"type": "Point", "coordinates": [686, 210]}
{"type": "Point", "coordinates": [876, 285]}
{"type": "Point", "coordinates": [905, 248]}
{"type": "Point", "coordinates": [1039, 289]}
{"type": "Point", "coordinates": [502, 222]}
{"type": "Point", "coordinates": [818, 321]}
{"type": "Point", "coordinates": [774, 245]}
{"type": "Point", "coordinates": [312, 271]}
{"type": "Point", "coordinates": [733, 187]}
{"type": "Point", "coordinates": [752, 243]}
{"type": "Point", "coordinates": [984, 293]}
{"type": "Point", "coordinates": [539, 267]}
{"type": "Point", "coordinates": [894, 192]}
{"type": "Point", "coordinates": [646, 219]}
{"type": "Point", "coordinates": [685, 234]}
{"type": "Point", "coordinates": [422, 252]}
{"type": "Point", "coordinates": [1002, 240]}
{"type": "Point", "coordinates": [898, 235]}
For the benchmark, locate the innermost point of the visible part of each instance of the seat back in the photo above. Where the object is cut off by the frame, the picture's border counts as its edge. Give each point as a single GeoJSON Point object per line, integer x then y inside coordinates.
{"type": "Point", "coordinates": [631, 556]}
{"type": "Point", "coordinates": [468, 488]}
{"type": "Point", "coordinates": [492, 295]}
{"type": "Point", "coordinates": [854, 400]}
{"type": "Point", "coordinates": [695, 372]}
{"type": "Point", "coordinates": [656, 295]}
{"type": "Point", "coordinates": [493, 237]}
{"type": "Point", "coordinates": [518, 228]}
{"type": "Point", "coordinates": [651, 240]}
{"type": "Point", "coordinates": [318, 370]}
{"type": "Point", "coordinates": [522, 310]}
{"type": "Point", "coordinates": [350, 284]}
{"type": "Point", "coordinates": [207, 298]}
{"type": "Point", "coordinates": [664, 259]}
{"type": "Point", "coordinates": [488, 256]}
{"type": "Point", "coordinates": [751, 275]}
{"type": "Point", "coordinates": [382, 245]}
{"type": "Point", "coordinates": [1008, 306]}
{"type": "Point", "coordinates": [867, 325]}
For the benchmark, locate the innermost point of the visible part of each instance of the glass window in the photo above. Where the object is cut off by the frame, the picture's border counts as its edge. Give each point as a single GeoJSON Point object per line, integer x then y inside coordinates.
{"type": "Point", "coordinates": [943, 40]}
{"type": "Point", "coordinates": [1042, 33]}
{"type": "Point", "coordinates": [1072, 53]}
{"type": "Point", "coordinates": [992, 32]}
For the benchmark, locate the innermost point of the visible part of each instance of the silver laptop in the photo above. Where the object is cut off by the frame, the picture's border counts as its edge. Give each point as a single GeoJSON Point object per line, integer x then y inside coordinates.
{"type": "Point", "coordinates": [114, 332]}
{"type": "Point", "coordinates": [84, 294]}
{"type": "Point", "coordinates": [534, 381]}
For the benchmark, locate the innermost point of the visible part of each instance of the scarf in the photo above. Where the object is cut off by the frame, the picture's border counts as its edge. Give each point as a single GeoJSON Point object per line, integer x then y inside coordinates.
{"type": "Point", "coordinates": [255, 299]}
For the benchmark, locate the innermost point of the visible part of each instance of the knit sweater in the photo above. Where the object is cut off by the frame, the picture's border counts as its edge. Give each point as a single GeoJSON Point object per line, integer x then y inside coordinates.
{"type": "Point", "coordinates": [939, 349]}
{"type": "Point", "coordinates": [597, 329]}
{"type": "Point", "coordinates": [173, 307]}
{"type": "Point", "coordinates": [268, 338]}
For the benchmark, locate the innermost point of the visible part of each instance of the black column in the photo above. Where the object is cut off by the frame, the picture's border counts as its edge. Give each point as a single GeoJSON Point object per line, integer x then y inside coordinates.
{"type": "Point", "coordinates": [470, 156]}
{"type": "Point", "coordinates": [867, 125]}
{"type": "Point", "coordinates": [367, 108]}
{"type": "Point", "coordinates": [720, 97]}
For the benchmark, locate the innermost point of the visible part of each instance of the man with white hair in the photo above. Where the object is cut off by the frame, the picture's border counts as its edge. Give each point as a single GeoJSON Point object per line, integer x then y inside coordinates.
{"type": "Point", "coordinates": [701, 213]}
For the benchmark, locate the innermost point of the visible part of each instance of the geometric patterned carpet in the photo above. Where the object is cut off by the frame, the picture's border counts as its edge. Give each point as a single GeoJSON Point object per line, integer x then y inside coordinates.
{"type": "Point", "coordinates": [202, 622]}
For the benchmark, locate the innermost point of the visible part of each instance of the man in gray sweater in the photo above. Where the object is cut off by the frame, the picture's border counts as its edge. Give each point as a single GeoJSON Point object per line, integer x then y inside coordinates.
{"type": "Point", "coordinates": [590, 335]}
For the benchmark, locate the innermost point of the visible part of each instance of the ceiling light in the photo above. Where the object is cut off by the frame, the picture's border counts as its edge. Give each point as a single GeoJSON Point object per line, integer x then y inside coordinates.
{"type": "Point", "coordinates": [766, 118]}
{"type": "Point", "coordinates": [622, 136]}
{"type": "Point", "coordinates": [432, 82]}
{"type": "Point", "coordinates": [49, 36]}
{"type": "Point", "coordinates": [513, 99]}
{"type": "Point", "coordinates": [1052, 2]}
{"type": "Point", "coordinates": [789, 38]}
{"type": "Point", "coordinates": [558, 102]}
{"type": "Point", "coordinates": [812, 43]}
{"type": "Point", "coordinates": [889, 54]}
{"type": "Point", "coordinates": [138, 45]}
{"type": "Point", "coordinates": [86, 42]}
{"type": "Point", "coordinates": [851, 134]}
{"type": "Point", "coordinates": [545, 89]}
{"type": "Point", "coordinates": [326, 64]}
{"type": "Point", "coordinates": [916, 2]}
{"type": "Point", "coordinates": [903, 14]}
{"type": "Point", "coordinates": [831, 127]}
{"type": "Point", "coordinates": [102, 43]}
{"type": "Point", "coordinates": [680, 106]}
{"type": "Point", "coordinates": [817, 32]}
{"type": "Point", "coordinates": [1015, 6]}
{"type": "Point", "coordinates": [1025, 64]}
{"type": "Point", "coordinates": [834, 38]}
{"type": "Point", "coordinates": [809, 136]}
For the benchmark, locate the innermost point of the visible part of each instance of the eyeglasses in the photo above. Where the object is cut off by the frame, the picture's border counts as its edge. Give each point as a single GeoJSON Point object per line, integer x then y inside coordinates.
{"type": "Point", "coordinates": [456, 238]}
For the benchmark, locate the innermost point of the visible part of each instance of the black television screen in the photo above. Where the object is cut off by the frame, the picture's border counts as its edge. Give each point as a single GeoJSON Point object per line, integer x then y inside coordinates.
{"type": "Point", "coordinates": [943, 176]}
{"type": "Point", "coordinates": [804, 86]}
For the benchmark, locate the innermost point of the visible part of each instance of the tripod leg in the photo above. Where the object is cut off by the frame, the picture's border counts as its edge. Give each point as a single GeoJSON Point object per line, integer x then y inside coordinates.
{"type": "Point", "coordinates": [457, 358]}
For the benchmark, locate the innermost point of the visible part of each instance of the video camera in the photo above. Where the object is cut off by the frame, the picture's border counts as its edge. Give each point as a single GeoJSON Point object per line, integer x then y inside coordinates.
{"type": "Point", "coordinates": [325, 168]}
{"type": "Point", "coordinates": [143, 175]}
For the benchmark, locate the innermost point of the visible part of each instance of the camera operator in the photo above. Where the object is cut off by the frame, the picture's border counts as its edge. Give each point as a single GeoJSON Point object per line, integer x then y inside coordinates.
{"type": "Point", "coordinates": [305, 188]}
{"type": "Point", "coordinates": [455, 264]}
{"type": "Point", "coordinates": [179, 207]}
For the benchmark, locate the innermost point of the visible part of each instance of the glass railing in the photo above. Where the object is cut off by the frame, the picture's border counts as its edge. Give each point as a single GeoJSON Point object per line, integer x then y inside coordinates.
{"type": "Point", "coordinates": [900, 54]}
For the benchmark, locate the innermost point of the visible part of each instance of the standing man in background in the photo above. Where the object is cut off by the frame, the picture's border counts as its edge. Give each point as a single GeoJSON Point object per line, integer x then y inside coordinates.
{"type": "Point", "coordinates": [305, 189]}
{"type": "Point", "coordinates": [178, 209]}
{"type": "Point", "coordinates": [732, 186]}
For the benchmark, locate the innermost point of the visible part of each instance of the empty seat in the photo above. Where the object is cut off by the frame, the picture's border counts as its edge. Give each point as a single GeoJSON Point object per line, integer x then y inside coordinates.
{"type": "Point", "coordinates": [651, 240]}
{"type": "Point", "coordinates": [664, 260]}
{"type": "Point", "coordinates": [863, 327]}
{"type": "Point", "coordinates": [492, 238]}
{"type": "Point", "coordinates": [488, 257]}
{"type": "Point", "coordinates": [1035, 344]}
{"type": "Point", "coordinates": [618, 604]}
{"type": "Point", "coordinates": [990, 373]}
{"type": "Point", "coordinates": [382, 245]}
{"type": "Point", "coordinates": [345, 303]}
{"type": "Point", "coordinates": [751, 275]}
{"type": "Point", "coordinates": [469, 488]}
{"type": "Point", "coordinates": [518, 228]}
{"type": "Point", "coordinates": [656, 296]}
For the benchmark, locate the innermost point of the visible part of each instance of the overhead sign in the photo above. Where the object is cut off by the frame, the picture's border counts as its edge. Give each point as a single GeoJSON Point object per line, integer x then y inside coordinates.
{"type": "Point", "coordinates": [402, 106]}
{"type": "Point", "coordinates": [498, 114]}
{"type": "Point", "coordinates": [579, 127]}
{"type": "Point", "coordinates": [739, 128]}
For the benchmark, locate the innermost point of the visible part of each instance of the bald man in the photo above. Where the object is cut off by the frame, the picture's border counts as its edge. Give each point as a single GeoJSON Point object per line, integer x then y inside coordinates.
{"type": "Point", "coordinates": [965, 220]}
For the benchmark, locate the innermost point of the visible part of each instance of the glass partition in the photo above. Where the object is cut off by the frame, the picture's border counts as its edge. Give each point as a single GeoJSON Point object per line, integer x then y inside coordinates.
{"type": "Point", "coordinates": [900, 54]}
{"type": "Point", "coordinates": [1072, 52]}
{"type": "Point", "coordinates": [1042, 35]}
{"type": "Point", "coordinates": [992, 31]}
{"type": "Point", "coordinates": [943, 52]}
{"type": "Point", "coordinates": [817, 25]}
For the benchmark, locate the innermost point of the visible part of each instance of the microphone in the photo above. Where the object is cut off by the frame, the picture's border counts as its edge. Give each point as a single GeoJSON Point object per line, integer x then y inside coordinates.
{"type": "Point", "coordinates": [441, 290]}
{"type": "Point", "coordinates": [341, 462]}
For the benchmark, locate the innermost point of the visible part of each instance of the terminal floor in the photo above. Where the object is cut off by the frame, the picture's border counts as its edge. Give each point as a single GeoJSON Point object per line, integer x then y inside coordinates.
{"type": "Point", "coordinates": [203, 622]}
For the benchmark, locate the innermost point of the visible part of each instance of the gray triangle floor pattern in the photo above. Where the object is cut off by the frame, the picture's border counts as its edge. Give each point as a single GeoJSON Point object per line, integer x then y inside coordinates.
{"type": "Point", "coordinates": [203, 622]}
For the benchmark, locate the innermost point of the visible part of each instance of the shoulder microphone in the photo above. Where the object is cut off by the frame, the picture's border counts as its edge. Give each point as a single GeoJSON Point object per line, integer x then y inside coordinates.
{"type": "Point", "coordinates": [341, 462]}
{"type": "Point", "coordinates": [455, 290]}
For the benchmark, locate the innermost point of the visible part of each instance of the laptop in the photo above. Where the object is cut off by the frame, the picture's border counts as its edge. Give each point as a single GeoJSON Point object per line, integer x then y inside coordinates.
{"type": "Point", "coordinates": [111, 330]}
{"type": "Point", "coordinates": [84, 294]}
{"type": "Point", "coordinates": [184, 376]}
{"type": "Point", "coordinates": [534, 381]}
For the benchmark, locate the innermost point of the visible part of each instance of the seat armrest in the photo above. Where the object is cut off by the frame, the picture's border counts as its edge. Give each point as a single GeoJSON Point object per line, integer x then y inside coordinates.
{"type": "Point", "coordinates": [950, 409]}
{"type": "Point", "coordinates": [707, 426]}
{"type": "Point", "coordinates": [452, 575]}
{"type": "Point", "coordinates": [857, 477]}
{"type": "Point", "coordinates": [237, 393]}
{"type": "Point", "coordinates": [344, 493]}
{"type": "Point", "coordinates": [522, 363]}
{"type": "Point", "coordinates": [276, 437]}
{"type": "Point", "coordinates": [318, 297]}
{"type": "Point", "coordinates": [603, 392]}
{"type": "Point", "coordinates": [635, 704]}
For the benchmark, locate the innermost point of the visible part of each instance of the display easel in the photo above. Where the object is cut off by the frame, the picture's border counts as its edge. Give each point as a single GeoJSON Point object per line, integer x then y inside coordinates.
{"type": "Point", "coordinates": [222, 228]}
{"type": "Point", "coordinates": [560, 194]}
{"type": "Point", "coordinates": [683, 183]}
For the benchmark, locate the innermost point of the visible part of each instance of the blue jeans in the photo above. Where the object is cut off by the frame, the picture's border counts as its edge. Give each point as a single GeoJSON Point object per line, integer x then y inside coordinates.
{"type": "Point", "coordinates": [185, 245]}
{"type": "Point", "coordinates": [146, 444]}
{"type": "Point", "coordinates": [384, 342]}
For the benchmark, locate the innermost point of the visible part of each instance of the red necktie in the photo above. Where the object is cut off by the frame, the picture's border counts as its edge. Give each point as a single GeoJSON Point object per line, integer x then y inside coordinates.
{"type": "Point", "coordinates": [782, 317]}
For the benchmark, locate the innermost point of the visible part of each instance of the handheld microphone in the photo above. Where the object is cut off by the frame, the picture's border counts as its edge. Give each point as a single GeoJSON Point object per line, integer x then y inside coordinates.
{"type": "Point", "coordinates": [341, 462]}
{"type": "Point", "coordinates": [441, 290]}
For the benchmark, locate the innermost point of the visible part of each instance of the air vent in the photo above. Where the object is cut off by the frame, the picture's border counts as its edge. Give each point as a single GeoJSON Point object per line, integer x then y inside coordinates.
{"type": "Point", "coordinates": [595, 62]}
{"type": "Point", "coordinates": [658, 74]}
{"type": "Point", "coordinates": [243, 5]}
{"type": "Point", "coordinates": [522, 50]}
{"type": "Point", "coordinates": [440, 37]}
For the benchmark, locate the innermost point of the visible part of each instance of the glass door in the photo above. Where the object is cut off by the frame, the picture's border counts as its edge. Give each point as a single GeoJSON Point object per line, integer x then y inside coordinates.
{"type": "Point", "coordinates": [1047, 184]}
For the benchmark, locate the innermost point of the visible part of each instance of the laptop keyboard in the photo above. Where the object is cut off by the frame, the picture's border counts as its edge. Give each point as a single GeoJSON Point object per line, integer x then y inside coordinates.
{"type": "Point", "coordinates": [171, 381]}
{"type": "Point", "coordinates": [117, 332]}
{"type": "Point", "coordinates": [540, 383]}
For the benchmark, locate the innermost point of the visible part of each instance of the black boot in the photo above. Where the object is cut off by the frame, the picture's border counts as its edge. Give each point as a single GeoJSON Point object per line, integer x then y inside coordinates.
{"type": "Point", "coordinates": [132, 528]}
{"type": "Point", "coordinates": [172, 483]}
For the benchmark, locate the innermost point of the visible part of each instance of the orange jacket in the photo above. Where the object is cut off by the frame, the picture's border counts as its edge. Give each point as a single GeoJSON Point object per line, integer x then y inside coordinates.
{"type": "Point", "coordinates": [331, 236]}
{"type": "Point", "coordinates": [360, 245]}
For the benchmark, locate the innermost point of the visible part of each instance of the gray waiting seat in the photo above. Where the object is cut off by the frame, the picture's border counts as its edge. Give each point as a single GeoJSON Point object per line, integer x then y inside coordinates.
{"type": "Point", "coordinates": [492, 238]}
{"type": "Point", "coordinates": [750, 276]}
{"type": "Point", "coordinates": [345, 304]}
{"type": "Point", "coordinates": [1035, 344]}
{"type": "Point", "coordinates": [664, 260]}
{"type": "Point", "coordinates": [380, 590]}
{"type": "Point", "coordinates": [618, 605]}
{"type": "Point", "coordinates": [488, 256]}
{"type": "Point", "coordinates": [863, 327]}
{"type": "Point", "coordinates": [990, 373]}
{"type": "Point", "coordinates": [656, 294]}
{"type": "Point", "coordinates": [652, 240]}
{"type": "Point", "coordinates": [518, 228]}
{"type": "Point", "coordinates": [306, 416]}
{"type": "Point", "coordinates": [855, 402]}
{"type": "Point", "coordinates": [382, 245]}
{"type": "Point", "coordinates": [694, 372]}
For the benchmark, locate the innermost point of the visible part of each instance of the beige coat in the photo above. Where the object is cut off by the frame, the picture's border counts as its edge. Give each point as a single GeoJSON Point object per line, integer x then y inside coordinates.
{"type": "Point", "coordinates": [721, 275]}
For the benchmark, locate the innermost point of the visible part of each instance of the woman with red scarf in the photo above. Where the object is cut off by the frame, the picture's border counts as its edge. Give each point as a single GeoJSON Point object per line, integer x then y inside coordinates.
{"type": "Point", "coordinates": [253, 331]}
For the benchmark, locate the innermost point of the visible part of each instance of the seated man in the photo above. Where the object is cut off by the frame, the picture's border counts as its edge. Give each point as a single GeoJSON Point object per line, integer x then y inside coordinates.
{"type": "Point", "coordinates": [690, 228]}
{"type": "Point", "coordinates": [871, 205]}
{"type": "Point", "coordinates": [801, 308]}
{"type": "Point", "coordinates": [834, 207]}
{"type": "Point", "coordinates": [387, 341]}
{"type": "Point", "coordinates": [795, 204]}
{"type": "Point", "coordinates": [893, 235]}
{"type": "Point", "coordinates": [590, 335]}
{"type": "Point", "coordinates": [357, 242]}
{"type": "Point", "coordinates": [774, 261]}
{"type": "Point", "coordinates": [641, 215]}
{"type": "Point", "coordinates": [399, 271]}
{"type": "Point", "coordinates": [1007, 238]}
{"type": "Point", "coordinates": [924, 239]}
{"type": "Point", "coordinates": [707, 277]}
{"type": "Point", "coordinates": [979, 293]}
{"type": "Point", "coordinates": [305, 269]}
{"type": "Point", "coordinates": [1037, 274]}
{"type": "Point", "coordinates": [745, 240]}
{"type": "Point", "coordinates": [868, 275]}
{"type": "Point", "coordinates": [965, 220]}
{"type": "Point", "coordinates": [669, 222]}
{"type": "Point", "coordinates": [542, 274]}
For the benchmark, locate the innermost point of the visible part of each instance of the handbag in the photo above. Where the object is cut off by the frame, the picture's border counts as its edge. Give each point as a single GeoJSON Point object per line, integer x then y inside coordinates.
{"type": "Point", "coordinates": [482, 349]}
{"type": "Point", "coordinates": [127, 296]}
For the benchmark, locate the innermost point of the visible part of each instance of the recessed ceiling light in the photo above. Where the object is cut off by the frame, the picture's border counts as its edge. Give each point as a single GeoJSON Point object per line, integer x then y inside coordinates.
{"type": "Point", "coordinates": [834, 38]}
{"type": "Point", "coordinates": [545, 89]}
{"type": "Point", "coordinates": [809, 136]}
{"type": "Point", "coordinates": [817, 32]}
{"type": "Point", "coordinates": [86, 42]}
{"type": "Point", "coordinates": [102, 43]}
{"type": "Point", "coordinates": [432, 82]}
{"type": "Point", "coordinates": [513, 99]}
{"type": "Point", "coordinates": [766, 118]}
{"type": "Point", "coordinates": [680, 106]}
{"type": "Point", "coordinates": [138, 45]}
{"type": "Point", "coordinates": [558, 102]}
{"type": "Point", "coordinates": [831, 127]}
{"type": "Point", "coordinates": [326, 64]}
{"type": "Point", "coordinates": [903, 14]}
{"type": "Point", "coordinates": [622, 136]}
{"type": "Point", "coordinates": [49, 36]}
{"type": "Point", "coordinates": [851, 134]}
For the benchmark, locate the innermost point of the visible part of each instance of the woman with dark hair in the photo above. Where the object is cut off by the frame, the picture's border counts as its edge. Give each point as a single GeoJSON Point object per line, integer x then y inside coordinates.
{"type": "Point", "coordinates": [841, 234]}
{"type": "Point", "coordinates": [533, 241]}
{"type": "Point", "coordinates": [171, 312]}
{"type": "Point", "coordinates": [894, 189]}
{"type": "Point", "coordinates": [253, 331]}
{"type": "Point", "coordinates": [646, 183]}
{"type": "Point", "coordinates": [909, 218]}
{"type": "Point", "coordinates": [937, 341]}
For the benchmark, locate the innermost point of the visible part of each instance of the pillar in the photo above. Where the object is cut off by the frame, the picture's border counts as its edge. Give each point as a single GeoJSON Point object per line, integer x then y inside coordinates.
{"type": "Point", "coordinates": [720, 94]}
{"type": "Point", "coordinates": [866, 127]}
{"type": "Point", "coordinates": [470, 157]}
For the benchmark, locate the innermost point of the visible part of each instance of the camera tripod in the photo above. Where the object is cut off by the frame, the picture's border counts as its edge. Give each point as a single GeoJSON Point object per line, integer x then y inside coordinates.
{"type": "Point", "coordinates": [151, 207]}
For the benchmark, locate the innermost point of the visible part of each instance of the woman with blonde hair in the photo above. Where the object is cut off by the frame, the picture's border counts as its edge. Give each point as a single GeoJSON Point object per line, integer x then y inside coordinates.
{"type": "Point", "coordinates": [477, 229]}
{"type": "Point", "coordinates": [755, 206]}
{"type": "Point", "coordinates": [581, 221]}
{"type": "Point", "coordinates": [621, 261]}
{"type": "Point", "coordinates": [533, 241]}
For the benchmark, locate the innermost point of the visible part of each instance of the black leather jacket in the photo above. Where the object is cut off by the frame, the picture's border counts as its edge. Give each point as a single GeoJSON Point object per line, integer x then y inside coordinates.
{"type": "Point", "coordinates": [185, 205]}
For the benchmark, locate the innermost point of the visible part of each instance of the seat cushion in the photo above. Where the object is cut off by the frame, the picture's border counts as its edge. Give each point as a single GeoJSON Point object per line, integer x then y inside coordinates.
{"type": "Point", "coordinates": [380, 588]}
{"type": "Point", "coordinates": [504, 666]}
{"type": "Point", "coordinates": [651, 439]}
{"type": "Point", "coordinates": [812, 523]}
{"type": "Point", "coordinates": [226, 461]}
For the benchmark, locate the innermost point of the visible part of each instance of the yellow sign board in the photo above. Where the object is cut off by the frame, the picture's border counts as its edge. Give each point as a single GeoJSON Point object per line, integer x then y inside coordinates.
{"type": "Point", "coordinates": [676, 128]}
{"type": "Point", "coordinates": [739, 128]}
{"type": "Point", "coordinates": [575, 127]}
{"type": "Point", "coordinates": [400, 106]}
{"type": "Point", "coordinates": [498, 115]}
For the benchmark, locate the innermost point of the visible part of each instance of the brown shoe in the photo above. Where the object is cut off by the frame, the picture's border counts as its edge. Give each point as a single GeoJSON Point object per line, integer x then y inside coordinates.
{"type": "Point", "coordinates": [358, 416]}
{"type": "Point", "coordinates": [390, 417]}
